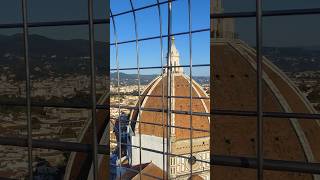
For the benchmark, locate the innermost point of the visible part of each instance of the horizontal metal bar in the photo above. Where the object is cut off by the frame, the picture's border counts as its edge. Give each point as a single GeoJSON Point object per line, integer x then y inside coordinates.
{"type": "Point", "coordinates": [160, 96]}
{"type": "Point", "coordinates": [249, 162]}
{"type": "Point", "coordinates": [47, 144]}
{"type": "Point", "coordinates": [43, 104]}
{"type": "Point", "coordinates": [161, 110]}
{"type": "Point", "coordinates": [304, 116]}
{"type": "Point", "coordinates": [288, 12]}
{"type": "Point", "coordinates": [141, 8]}
{"type": "Point", "coordinates": [5, 178]}
{"type": "Point", "coordinates": [160, 67]}
{"type": "Point", "coordinates": [51, 144]}
{"type": "Point", "coordinates": [163, 125]}
{"type": "Point", "coordinates": [233, 161]}
{"type": "Point", "coordinates": [163, 36]}
{"type": "Point", "coordinates": [54, 23]}
{"type": "Point", "coordinates": [233, 113]}
{"type": "Point", "coordinates": [268, 164]}
{"type": "Point", "coordinates": [158, 151]}
{"type": "Point", "coordinates": [267, 114]}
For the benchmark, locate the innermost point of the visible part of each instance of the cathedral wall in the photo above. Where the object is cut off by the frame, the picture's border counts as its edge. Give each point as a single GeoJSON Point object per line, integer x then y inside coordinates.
{"type": "Point", "coordinates": [180, 167]}
{"type": "Point", "coordinates": [150, 142]}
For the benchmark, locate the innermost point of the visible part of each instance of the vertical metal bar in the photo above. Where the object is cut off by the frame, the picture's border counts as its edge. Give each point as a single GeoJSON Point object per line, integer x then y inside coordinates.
{"type": "Point", "coordinates": [169, 76]}
{"type": "Point", "coordinates": [93, 91]}
{"type": "Point", "coordinates": [28, 86]}
{"type": "Point", "coordinates": [190, 71]}
{"type": "Point", "coordinates": [162, 90]}
{"type": "Point", "coordinates": [138, 76]}
{"type": "Point", "coordinates": [118, 86]}
{"type": "Point", "coordinates": [259, 90]}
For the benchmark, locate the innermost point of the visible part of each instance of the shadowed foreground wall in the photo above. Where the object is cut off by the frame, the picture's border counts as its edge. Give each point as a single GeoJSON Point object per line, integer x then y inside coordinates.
{"type": "Point", "coordinates": [233, 76]}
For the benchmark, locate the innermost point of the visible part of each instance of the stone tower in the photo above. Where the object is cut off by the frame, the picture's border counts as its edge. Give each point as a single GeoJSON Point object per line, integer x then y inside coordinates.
{"type": "Point", "coordinates": [221, 28]}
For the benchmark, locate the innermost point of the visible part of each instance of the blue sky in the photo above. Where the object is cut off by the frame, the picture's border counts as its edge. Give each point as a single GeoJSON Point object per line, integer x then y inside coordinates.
{"type": "Point", "coordinates": [148, 25]}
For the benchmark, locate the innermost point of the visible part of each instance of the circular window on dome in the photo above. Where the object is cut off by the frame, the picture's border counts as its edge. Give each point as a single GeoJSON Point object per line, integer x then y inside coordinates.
{"type": "Point", "coordinates": [192, 160]}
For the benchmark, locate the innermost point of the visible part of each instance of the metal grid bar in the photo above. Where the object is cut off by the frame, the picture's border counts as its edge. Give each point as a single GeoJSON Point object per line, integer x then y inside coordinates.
{"type": "Point", "coordinates": [259, 90]}
{"type": "Point", "coordinates": [93, 91]}
{"type": "Point", "coordinates": [160, 152]}
{"type": "Point", "coordinates": [138, 76]}
{"type": "Point", "coordinates": [220, 112]}
{"type": "Point", "coordinates": [164, 36]}
{"type": "Point", "coordinates": [141, 8]}
{"type": "Point", "coordinates": [269, 164]}
{"type": "Point", "coordinates": [233, 161]}
{"type": "Point", "coordinates": [289, 12]}
{"type": "Point", "coordinates": [190, 85]}
{"type": "Point", "coordinates": [158, 67]}
{"type": "Point", "coordinates": [157, 124]}
{"type": "Point", "coordinates": [162, 91]}
{"type": "Point", "coordinates": [279, 114]}
{"type": "Point", "coordinates": [118, 82]}
{"type": "Point", "coordinates": [28, 86]}
{"type": "Point", "coordinates": [169, 85]}
{"type": "Point", "coordinates": [249, 162]}
{"type": "Point", "coordinates": [177, 97]}
{"type": "Point", "coordinates": [54, 23]}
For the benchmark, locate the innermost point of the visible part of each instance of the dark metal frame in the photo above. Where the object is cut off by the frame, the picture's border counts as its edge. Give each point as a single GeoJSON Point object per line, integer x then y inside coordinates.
{"type": "Point", "coordinates": [245, 162]}
{"type": "Point", "coordinates": [65, 146]}
{"type": "Point", "coordinates": [259, 163]}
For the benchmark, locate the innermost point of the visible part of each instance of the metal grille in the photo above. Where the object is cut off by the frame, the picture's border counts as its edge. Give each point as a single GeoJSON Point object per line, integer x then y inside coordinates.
{"type": "Point", "coordinates": [259, 163]}
{"type": "Point", "coordinates": [166, 68]}
{"type": "Point", "coordinates": [92, 148]}
{"type": "Point", "coordinates": [245, 162]}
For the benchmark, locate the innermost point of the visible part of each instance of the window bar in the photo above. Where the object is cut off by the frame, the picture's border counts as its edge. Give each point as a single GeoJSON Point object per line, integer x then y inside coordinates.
{"type": "Point", "coordinates": [190, 73]}
{"type": "Point", "coordinates": [141, 8]}
{"type": "Point", "coordinates": [162, 91]}
{"type": "Point", "coordinates": [167, 153]}
{"type": "Point", "coordinates": [269, 164]}
{"type": "Point", "coordinates": [218, 112]}
{"type": "Point", "coordinates": [288, 12]}
{"type": "Point", "coordinates": [174, 97]}
{"type": "Point", "coordinates": [169, 86]}
{"type": "Point", "coordinates": [220, 160]}
{"type": "Point", "coordinates": [164, 36]}
{"type": "Point", "coordinates": [93, 91]}
{"type": "Point", "coordinates": [118, 87]}
{"type": "Point", "coordinates": [159, 124]}
{"type": "Point", "coordinates": [138, 76]}
{"type": "Point", "coordinates": [158, 67]}
{"type": "Point", "coordinates": [54, 23]}
{"type": "Point", "coordinates": [28, 86]}
{"type": "Point", "coordinates": [259, 90]}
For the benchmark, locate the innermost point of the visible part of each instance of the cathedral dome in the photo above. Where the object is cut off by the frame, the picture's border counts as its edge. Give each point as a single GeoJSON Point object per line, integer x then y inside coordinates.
{"type": "Point", "coordinates": [152, 130]}
{"type": "Point", "coordinates": [152, 121]}
{"type": "Point", "coordinates": [155, 97]}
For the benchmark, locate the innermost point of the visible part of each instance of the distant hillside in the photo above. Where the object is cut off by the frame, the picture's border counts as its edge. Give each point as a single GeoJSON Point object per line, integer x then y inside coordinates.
{"type": "Point", "coordinates": [50, 56]}
{"type": "Point", "coordinates": [132, 79]}
{"type": "Point", "coordinates": [41, 45]}
{"type": "Point", "coordinates": [294, 59]}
